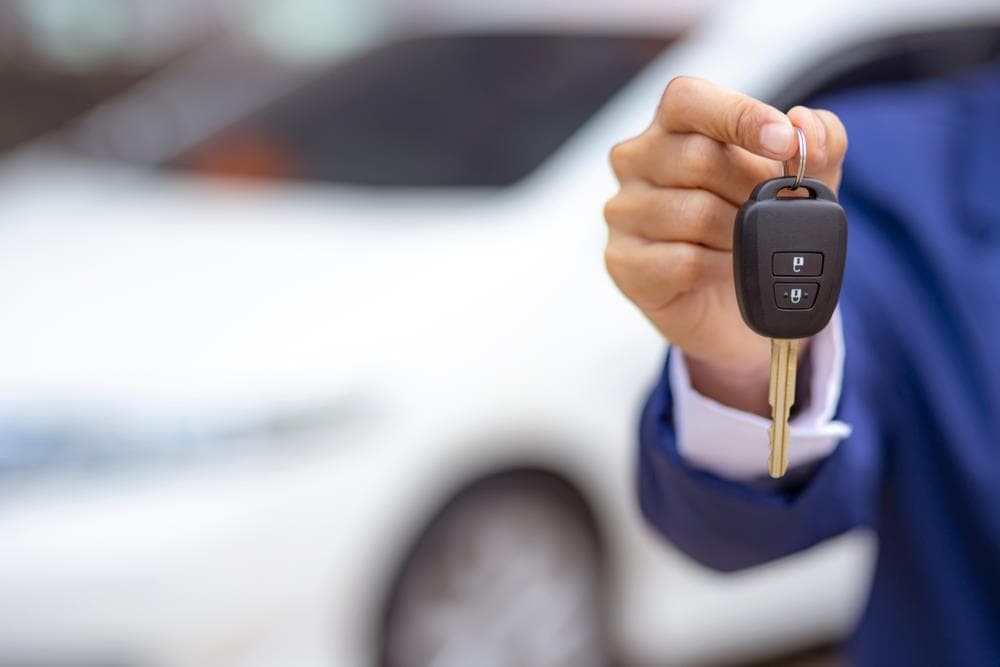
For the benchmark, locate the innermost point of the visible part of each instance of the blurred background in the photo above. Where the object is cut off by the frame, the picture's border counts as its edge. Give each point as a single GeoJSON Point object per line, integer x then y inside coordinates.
{"type": "Point", "coordinates": [308, 356]}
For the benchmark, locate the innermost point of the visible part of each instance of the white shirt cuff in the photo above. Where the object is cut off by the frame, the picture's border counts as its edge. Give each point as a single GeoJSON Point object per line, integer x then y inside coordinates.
{"type": "Point", "coordinates": [734, 444]}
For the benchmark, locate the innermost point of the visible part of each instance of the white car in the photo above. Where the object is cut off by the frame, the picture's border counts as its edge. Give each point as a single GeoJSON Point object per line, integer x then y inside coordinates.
{"type": "Point", "coordinates": [306, 422]}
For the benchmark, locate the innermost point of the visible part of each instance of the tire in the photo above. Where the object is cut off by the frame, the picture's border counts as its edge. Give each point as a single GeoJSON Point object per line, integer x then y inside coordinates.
{"type": "Point", "coordinates": [509, 575]}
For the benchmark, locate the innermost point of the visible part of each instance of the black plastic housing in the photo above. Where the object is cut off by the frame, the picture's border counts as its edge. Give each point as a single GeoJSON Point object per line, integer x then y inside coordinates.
{"type": "Point", "coordinates": [767, 224]}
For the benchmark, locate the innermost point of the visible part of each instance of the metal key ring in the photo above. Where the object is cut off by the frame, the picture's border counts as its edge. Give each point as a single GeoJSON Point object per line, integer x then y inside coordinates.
{"type": "Point", "coordinates": [801, 171]}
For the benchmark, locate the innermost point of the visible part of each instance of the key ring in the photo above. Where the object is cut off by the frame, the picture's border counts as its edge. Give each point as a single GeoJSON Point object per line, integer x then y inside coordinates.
{"type": "Point", "coordinates": [801, 171]}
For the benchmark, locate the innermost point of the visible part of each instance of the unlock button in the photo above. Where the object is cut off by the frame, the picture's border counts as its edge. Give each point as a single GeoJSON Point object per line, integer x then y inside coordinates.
{"type": "Point", "coordinates": [797, 263]}
{"type": "Point", "coordinates": [795, 296]}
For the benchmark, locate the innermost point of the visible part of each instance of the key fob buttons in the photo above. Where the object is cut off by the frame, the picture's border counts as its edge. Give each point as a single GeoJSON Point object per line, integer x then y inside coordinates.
{"type": "Point", "coordinates": [788, 258]}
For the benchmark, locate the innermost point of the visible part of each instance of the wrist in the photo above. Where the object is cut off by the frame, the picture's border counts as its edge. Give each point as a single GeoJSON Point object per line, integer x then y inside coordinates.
{"type": "Point", "coordinates": [745, 388]}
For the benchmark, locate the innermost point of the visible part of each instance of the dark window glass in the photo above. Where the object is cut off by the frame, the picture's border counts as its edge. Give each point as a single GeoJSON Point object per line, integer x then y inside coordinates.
{"type": "Point", "coordinates": [37, 100]}
{"type": "Point", "coordinates": [439, 111]}
{"type": "Point", "coordinates": [895, 59]}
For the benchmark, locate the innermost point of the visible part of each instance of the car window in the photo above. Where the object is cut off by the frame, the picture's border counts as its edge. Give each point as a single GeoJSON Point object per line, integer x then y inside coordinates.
{"type": "Point", "coordinates": [37, 100]}
{"type": "Point", "coordinates": [465, 110]}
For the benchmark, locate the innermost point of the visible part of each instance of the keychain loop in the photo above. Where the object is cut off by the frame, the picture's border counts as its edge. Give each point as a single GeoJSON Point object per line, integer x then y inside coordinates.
{"type": "Point", "coordinates": [801, 171]}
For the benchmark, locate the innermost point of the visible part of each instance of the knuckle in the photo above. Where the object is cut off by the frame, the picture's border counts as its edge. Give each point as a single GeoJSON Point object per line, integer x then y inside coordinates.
{"type": "Point", "coordinates": [615, 260]}
{"type": "Point", "coordinates": [679, 85]}
{"type": "Point", "coordinates": [687, 265]}
{"type": "Point", "coordinates": [742, 121]}
{"type": "Point", "coordinates": [615, 210]}
{"type": "Point", "coordinates": [836, 135]}
{"type": "Point", "coordinates": [837, 138]}
{"type": "Point", "coordinates": [696, 157]}
{"type": "Point", "coordinates": [623, 154]}
{"type": "Point", "coordinates": [697, 212]}
{"type": "Point", "coordinates": [819, 154]}
{"type": "Point", "coordinates": [839, 148]}
{"type": "Point", "coordinates": [677, 88]}
{"type": "Point", "coordinates": [822, 155]}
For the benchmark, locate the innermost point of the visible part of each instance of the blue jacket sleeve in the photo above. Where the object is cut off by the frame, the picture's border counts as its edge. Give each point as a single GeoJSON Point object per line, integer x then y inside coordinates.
{"type": "Point", "coordinates": [730, 525]}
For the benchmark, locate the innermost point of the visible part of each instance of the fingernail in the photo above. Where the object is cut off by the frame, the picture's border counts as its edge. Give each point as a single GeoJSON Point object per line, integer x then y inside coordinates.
{"type": "Point", "coordinates": [776, 138]}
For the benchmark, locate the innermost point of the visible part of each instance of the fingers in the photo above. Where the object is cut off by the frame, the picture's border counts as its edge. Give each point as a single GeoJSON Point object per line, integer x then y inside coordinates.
{"type": "Point", "coordinates": [826, 142]}
{"type": "Point", "coordinates": [654, 274]}
{"type": "Point", "coordinates": [691, 105]}
{"type": "Point", "coordinates": [692, 161]}
{"type": "Point", "coordinates": [672, 214]}
{"type": "Point", "coordinates": [705, 136]}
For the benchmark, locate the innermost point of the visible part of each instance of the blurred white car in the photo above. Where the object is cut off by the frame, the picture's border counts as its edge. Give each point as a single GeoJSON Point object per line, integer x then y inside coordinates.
{"type": "Point", "coordinates": [232, 408]}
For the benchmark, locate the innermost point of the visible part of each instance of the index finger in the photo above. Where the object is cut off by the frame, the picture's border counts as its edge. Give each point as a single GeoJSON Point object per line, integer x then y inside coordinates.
{"type": "Point", "coordinates": [695, 105]}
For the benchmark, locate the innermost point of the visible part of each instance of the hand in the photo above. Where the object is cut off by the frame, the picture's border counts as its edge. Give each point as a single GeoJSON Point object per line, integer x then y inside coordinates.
{"type": "Point", "coordinates": [671, 223]}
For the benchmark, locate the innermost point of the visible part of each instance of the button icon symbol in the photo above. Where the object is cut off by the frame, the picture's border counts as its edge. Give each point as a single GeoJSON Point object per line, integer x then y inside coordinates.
{"type": "Point", "coordinates": [795, 296]}
{"type": "Point", "coordinates": [797, 263]}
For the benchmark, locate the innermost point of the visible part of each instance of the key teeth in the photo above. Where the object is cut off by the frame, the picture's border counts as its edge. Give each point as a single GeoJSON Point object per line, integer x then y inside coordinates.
{"type": "Point", "coordinates": [781, 397]}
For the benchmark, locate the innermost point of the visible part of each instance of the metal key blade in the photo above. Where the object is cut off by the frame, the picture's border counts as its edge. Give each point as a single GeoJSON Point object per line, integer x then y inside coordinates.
{"type": "Point", "coordinates": [784, 360]}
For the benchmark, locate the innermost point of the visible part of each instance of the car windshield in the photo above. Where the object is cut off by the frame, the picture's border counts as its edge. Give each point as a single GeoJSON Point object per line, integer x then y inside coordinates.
{"type": "Point", "coordinates": [465, 110]}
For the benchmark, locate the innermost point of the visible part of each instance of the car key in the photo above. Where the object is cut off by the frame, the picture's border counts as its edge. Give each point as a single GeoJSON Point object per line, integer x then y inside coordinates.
{"type": "Point", "coordinates": [788, 264]}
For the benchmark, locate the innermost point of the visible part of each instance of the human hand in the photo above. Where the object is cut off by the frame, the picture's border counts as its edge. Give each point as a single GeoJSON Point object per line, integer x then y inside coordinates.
{"type": "Point", "coordinates": [670, 225]}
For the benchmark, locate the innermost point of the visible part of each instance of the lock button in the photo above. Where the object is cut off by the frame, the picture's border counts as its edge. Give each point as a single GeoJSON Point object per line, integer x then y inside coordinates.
{"type": "Point", "coordinates": [797, 263]}
{"type": "Point", "coordinates": [795, 296]}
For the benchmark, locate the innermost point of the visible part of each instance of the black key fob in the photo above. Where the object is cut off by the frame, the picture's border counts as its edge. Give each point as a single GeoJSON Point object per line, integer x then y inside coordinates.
{"type": "Point", "coordinates": [788, 258]}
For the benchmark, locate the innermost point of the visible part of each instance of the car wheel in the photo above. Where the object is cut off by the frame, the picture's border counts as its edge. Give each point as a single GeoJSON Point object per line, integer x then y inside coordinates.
{"type": "Point", "coordinates": [507, 576]}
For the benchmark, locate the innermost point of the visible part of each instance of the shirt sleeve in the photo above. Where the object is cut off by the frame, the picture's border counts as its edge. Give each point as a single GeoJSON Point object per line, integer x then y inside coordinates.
{"type": "Point", "coordinates": [733, 444]}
